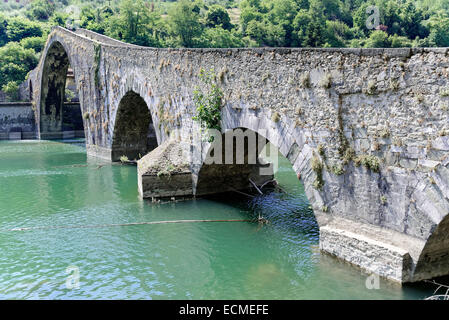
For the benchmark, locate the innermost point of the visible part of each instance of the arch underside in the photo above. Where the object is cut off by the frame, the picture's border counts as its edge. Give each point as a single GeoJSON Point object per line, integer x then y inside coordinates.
{"type": "Point", "coordinates": [233, 163]}
{"type": "Point", "coordinates": [134, 133]}
{"type": "Point", "coordinates": [58, 118]}
{"type": "Point", "coordinates": [434, 258]}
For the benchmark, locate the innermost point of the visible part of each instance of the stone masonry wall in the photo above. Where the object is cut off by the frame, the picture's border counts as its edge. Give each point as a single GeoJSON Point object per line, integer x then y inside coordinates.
{"type": "Point", "coordinates": [16, 116]}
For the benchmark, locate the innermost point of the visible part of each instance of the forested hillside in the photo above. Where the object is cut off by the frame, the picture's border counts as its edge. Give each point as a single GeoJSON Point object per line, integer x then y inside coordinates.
{"type": "Point", "coordinates": [24, 25]}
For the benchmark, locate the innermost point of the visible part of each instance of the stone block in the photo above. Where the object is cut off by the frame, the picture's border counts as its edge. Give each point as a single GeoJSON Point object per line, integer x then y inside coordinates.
{"type": "Point", "coordinates": [15, 136]}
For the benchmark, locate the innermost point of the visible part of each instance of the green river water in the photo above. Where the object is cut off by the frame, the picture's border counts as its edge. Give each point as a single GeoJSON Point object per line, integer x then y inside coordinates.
{"type": "Point", "coordinates": [46, 183]}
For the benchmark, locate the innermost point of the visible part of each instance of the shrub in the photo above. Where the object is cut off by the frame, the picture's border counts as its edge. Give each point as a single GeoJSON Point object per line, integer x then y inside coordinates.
{"type": "Point", "coordinates": [12, 90]}
{"type": "Point", "coordinates": [208, 101]}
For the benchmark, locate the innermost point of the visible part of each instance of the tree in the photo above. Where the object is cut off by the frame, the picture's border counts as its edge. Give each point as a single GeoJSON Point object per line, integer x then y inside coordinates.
{"type": "Point", "coordinates": [399, 42]}
{"type": "Point", "coordinates": [185, 23]}
{"type": "Point", "coordinates": [411, 21]}
{"type": "Point", "coordinates": [135, 24]}
{"type": "Point", "coordinates": [41, 10]}
{"type": "Point", "coordinates": [337, 34]}
{"type": "Point", "coordinates": [3, 35]}
{"type": "Point", "coordinates": [218, 16]}
{"type": "Point", "coordinates": [378, 39]}
{"type": "Point", "coordinates": [12, 90]}
{"type": "Point", "coordinates": [220, 38]}
{"type": "Point", "coordinates": [308, 29]}
{"type": "Point", "coordinates": [19, 28]}
{"type": "Point", "coordinates": [439, 35]}
{"type": "Point", "coordinates": [35, 43]}
{"type": "Point", "coordinates": [59, 19]}
{"type": "Point", "coordinates": [15, 63]}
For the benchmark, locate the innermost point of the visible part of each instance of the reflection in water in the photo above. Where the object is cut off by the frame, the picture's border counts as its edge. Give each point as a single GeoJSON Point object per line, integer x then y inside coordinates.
{"type": "Point", "coordinates": [49, 183]}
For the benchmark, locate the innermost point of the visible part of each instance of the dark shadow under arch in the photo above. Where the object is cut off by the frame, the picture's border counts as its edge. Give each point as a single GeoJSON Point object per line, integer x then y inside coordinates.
{"type": "Point", "coordinates": [434, 258]}
{"type": "Point", "coordinates": [134, 134]}
{"type": "Point", "coordinates": [59, 118]}
{"type": "Point", "coordinates": [225, 177]}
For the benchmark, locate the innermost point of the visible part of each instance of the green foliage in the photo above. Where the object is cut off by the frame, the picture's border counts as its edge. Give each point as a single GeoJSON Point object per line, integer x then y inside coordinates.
{"type": "Point", "coordinates": [12, 90]}
{"type": "Point", "coordinates": [439, 35]}
{"type": "Point", "coordinates": [207, 23]}
{"type": "Point", "coordinates": [41, 10]}
{"type": "Point", "coordinates": [217, 16]}
{"type": "Point", "coordinates": [208, 101]}
{"type": "Point", "coordinates": [378, 39]}
{"type": "Point", "coordinates": [369, 161]}
{"type": "Point", "coordinates": [338, 169]}
{"type": "Point", "coordinates": [35, 43]}
{"type": "Point", "coordinates": [15, 62]}
{"type": "Point", "coordinates": [19, 28]}
{"type": "Point", "coordinates": [69, 94]}
{"type": "Point", "coordinates": [317, 167]}
{"type": "Point", "coordinates": [221, 38]}
{"type": "Point", "coordinates": [3, 28]}
{"type": "Point", "coordinates": [184, 20]}
{"type": "Point", "coordinates": [135, 24]}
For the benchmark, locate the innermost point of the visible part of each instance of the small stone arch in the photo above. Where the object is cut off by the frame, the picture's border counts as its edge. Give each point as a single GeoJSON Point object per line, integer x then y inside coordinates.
{"type": "Point", "coordinates": [134, 134]}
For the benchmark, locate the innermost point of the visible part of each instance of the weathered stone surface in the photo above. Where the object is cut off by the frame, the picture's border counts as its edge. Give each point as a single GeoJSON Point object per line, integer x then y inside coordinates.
{"type": "Point", "coordinates": [14, 116]}
{"type": "Point", "coordinates": [380, 115]}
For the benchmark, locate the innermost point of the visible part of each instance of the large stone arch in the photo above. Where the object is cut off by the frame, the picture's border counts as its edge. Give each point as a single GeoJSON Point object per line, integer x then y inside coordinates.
{"type": "Point", "coordinates": [134, 135]}
{"type": "Point", "coordinates": [289, 139]}
{"type": "Point", "coordinates": [53, 112]}
{"type": "Point", "coordinates": [434, 258]}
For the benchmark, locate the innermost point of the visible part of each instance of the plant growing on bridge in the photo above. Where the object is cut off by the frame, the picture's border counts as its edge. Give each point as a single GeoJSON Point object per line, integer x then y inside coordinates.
{"type": "Point", "coordinates": [208, 102]}
{"type": "Point", "coordinates": [326, 81]}
{"type": "Point", "coordinates": [305, 80]}
{"type": "Point", "coordinates": [275, 117]}
{"type": "Point", "coordinates": [317, 167]}
{"type": "Point", "coordinates": [444, 92]}
{"type": "Point", "coordinates": [369, 161]}
{"type": "Point", "coordinates": [372, 87]}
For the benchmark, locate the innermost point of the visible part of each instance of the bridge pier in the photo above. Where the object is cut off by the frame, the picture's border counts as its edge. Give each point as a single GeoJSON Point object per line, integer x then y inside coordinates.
{"type": "Point", "coordinates": [168, 172]}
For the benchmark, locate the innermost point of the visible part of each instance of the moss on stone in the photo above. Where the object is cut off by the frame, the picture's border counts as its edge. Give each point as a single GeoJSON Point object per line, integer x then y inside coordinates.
{"type": "Point", "coordinates": [275, 117]}
{"type": "Point", "coordinates": [326, 81]}
{"type": "Point", "coordinates": [371, 88]}
{"type": "Point", "coordinates": [369, 161]}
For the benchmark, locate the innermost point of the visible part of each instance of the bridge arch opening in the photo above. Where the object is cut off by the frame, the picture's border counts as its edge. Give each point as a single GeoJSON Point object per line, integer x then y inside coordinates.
{"type": "Point", "coordinates": [434, 258]}
{"type": "Point", "coordinates": [134, 133]}
{"type": "Point", "coordinates": [283, 190]}
{"type": "Point", "coordinates": [232, 162]}
{"type": "Point", "coordinates": [60, 109]}
{"type": "Point", "coordinates": [241, 159]}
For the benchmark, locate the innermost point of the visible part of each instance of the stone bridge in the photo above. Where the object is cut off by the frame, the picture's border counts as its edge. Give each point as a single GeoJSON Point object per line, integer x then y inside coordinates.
{"type": "Point", "coordinates": [366, 130]}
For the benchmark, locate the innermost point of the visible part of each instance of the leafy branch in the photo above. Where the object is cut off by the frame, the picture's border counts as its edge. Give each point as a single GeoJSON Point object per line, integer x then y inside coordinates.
{"type": "Point", "coordinates": [208, 101]}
